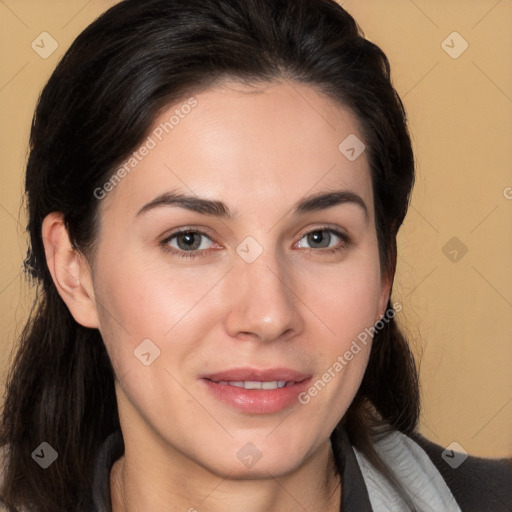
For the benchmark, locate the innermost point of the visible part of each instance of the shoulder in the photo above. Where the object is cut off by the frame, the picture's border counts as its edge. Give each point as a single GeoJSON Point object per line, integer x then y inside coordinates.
{"type": "Point", "coordinates": [478, 484]}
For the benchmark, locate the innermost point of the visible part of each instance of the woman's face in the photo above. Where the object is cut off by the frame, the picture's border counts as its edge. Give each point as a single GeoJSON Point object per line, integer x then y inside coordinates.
{"type": "Point", "coordinates": [269, 286]}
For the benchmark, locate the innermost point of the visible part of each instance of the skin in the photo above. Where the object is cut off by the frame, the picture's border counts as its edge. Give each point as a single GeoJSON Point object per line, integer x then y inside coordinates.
{"type": "Point", "coordinates": [259, 150]}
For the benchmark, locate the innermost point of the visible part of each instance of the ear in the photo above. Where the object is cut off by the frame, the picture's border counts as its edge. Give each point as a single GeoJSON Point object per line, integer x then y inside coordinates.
{"type": "Point", "coordinates": [385, 292]}
{"type": "Point", "coordinates": [70, 271]}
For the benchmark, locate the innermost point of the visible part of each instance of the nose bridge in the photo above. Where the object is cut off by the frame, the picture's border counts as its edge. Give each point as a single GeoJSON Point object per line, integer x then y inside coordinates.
{"type": "Point", "coordinates": [264, 303]}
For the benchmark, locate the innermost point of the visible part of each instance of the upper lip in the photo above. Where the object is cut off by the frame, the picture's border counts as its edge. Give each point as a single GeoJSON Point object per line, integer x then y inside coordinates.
{"type": "Point", "coordinates": [258, 375]}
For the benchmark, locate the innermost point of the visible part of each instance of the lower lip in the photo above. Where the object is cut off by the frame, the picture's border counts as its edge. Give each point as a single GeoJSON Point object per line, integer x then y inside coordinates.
{"type": "Point", "coordinates": [257, 401]}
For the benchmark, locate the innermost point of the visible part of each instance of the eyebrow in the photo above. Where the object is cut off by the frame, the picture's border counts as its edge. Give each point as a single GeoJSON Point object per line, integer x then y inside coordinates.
{"type": "Point", "coordinates": [312, 203]}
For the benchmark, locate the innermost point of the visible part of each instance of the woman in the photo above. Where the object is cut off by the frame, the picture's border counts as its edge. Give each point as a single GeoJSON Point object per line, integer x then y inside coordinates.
{"type": "Point", "coordinates": [214, 193]}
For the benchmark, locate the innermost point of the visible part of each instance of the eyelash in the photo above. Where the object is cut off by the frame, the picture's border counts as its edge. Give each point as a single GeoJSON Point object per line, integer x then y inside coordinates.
{"type": "Point", "coordinates": [346, 241]}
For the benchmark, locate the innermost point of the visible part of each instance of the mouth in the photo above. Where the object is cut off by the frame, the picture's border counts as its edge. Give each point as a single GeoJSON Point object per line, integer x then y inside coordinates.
{"type": "Point", "coordinates": [254, 384]}
{"type": "Point", "coordinates": [257, 391]}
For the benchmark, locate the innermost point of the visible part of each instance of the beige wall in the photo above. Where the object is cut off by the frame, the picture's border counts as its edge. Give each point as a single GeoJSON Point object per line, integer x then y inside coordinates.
{"type": "Point", "coordinates": [457, 313]}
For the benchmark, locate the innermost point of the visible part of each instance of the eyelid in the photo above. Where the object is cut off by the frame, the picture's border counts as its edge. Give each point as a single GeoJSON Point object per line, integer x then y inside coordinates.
{"type": "Point", "coordinates": [327, 227]}
{"type": "Point", "coordinates": [188, 229]}
{"type": "Point", "coordinates": [202, 232]}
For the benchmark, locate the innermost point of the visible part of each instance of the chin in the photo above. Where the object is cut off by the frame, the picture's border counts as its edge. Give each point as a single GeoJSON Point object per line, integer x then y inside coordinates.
{"type": "Point", "coordinates": [261, 469]}
{"type": "Point", "coordinates": [257, 460]}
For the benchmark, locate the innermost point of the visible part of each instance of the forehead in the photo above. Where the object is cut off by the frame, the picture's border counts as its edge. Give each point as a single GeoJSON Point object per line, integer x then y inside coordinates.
{"type": "Point", "coordinates": [249, 146]}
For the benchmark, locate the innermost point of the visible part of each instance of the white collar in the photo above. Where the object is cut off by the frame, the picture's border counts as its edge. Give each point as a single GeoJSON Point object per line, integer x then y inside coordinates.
{"type": "Point", "coordinates": [413, 469]}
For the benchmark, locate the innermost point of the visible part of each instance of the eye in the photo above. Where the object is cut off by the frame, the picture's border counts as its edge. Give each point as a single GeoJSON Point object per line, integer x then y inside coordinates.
{"type": "Point", "coordinates": [190, 243]}
{"type": "Point", "coordinates": [325, 239]}
{"type": "Point", "coordinates": [193, 242]}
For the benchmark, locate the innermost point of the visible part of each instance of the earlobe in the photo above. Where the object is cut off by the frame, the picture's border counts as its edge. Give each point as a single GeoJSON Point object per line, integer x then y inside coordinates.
{"type": "Point", "coordinates": [69, 270]}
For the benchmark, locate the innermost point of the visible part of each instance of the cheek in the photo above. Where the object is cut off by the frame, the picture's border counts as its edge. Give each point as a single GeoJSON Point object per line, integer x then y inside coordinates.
{"type": "Point", "coordinates": [345, 302]}
{"type": "Point", "coordinates": [153, 325]}
{"type": "Point", "coordinates": [347, 309]}
{"type": "Point", "coordinates": [139, 300]}
{"type": "Point", "coordinates": [345, 298]}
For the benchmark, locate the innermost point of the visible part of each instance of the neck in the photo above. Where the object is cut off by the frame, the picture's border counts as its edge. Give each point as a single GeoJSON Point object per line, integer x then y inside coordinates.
{"type": "Point", "coordinates": [137, 488]}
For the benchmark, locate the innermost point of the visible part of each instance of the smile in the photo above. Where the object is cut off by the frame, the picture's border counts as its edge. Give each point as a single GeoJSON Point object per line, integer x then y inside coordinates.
{"type": "Point", "coordinates": [256, 391]}
{"type": "Point", "coordinates": [253, 384]}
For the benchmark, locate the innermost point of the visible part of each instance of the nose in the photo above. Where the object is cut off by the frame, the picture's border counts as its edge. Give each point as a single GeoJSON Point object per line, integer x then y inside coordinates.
{"type": "Point", "coordinates": [263, 303]}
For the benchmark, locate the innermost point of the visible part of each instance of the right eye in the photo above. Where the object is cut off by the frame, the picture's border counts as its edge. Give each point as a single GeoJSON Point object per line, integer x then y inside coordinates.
{"type": "Point", "coordinates": [187, 243]}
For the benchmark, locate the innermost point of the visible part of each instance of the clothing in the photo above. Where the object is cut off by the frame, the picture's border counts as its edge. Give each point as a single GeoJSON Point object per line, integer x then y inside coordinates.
{"type": "Point", "coordinates": [477, 485]}
{"type": "Point", "coordinates": [416, 473]}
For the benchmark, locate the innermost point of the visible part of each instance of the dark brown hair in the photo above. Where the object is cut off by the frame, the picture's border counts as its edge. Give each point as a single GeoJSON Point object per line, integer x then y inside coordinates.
{"type": "Point", "coordinates": [96, 108]}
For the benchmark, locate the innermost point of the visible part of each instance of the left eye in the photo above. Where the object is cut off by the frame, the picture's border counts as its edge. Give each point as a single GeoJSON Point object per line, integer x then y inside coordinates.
{"type": "Point", "coordinates": [322, 238]}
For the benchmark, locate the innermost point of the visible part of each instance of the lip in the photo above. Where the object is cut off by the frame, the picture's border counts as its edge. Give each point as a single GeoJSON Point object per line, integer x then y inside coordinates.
{"type": "Point", "coordinates": [257, 401]}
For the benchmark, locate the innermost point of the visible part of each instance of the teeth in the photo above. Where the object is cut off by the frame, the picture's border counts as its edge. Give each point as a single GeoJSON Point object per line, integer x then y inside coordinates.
{"type": "Point", "coordinates": [251, 384]}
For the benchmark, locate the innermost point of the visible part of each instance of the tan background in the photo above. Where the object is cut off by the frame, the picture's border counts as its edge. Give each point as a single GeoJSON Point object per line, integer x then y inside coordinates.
{"type": "Point", "coordinates": [457, 313]}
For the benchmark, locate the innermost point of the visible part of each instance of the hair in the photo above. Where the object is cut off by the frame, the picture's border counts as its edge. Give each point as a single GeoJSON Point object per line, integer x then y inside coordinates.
{"type": "Point", "coordinates": [98, 105]}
